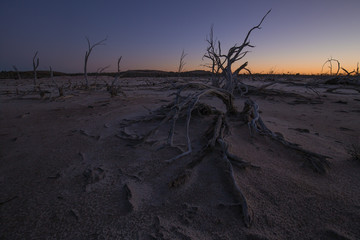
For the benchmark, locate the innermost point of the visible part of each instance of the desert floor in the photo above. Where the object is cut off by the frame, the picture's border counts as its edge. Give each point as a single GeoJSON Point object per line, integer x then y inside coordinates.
{"type": "Point", "coordinates": [66, 172]}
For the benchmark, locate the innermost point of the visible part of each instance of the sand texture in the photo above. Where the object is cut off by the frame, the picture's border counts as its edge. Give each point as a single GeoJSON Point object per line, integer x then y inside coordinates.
{"type": "Point", "coordinates": [67, 172]}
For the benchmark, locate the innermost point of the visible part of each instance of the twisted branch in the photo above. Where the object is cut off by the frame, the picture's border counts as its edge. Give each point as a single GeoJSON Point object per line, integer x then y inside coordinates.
{"type": "Point", "coordinates": [87, 54]}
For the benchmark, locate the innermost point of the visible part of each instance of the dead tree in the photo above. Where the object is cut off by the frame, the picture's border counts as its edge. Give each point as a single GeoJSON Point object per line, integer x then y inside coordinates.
{"type": "Point", "coordinates": [330, 61]}
{"type": "Point", "coordinates": [35, 66]}
{"type": "Point", "coordinates": [60, 87]}
{"type": "Point", "coordinates": [215, 143]}
{"type": "Point", "coordinates": [216, 137]}
{"type": "Point", "coordinates": [98, 72]}
{"type": "Point", "coordinates": [51, 73]}
{"type": "Point", "coordinates": [215, 68]}
{"type": "Point", "coordinates": [87, 54]}
{"type": "Point", "coordinates": [355, 72]}
{"type": "Point", "coordinates": [225, 61]}
{"type": "Point", "coordinates": [182, 62]}
{"type": "Point", "coordinates": [118, 64]}
{"type": "Point", "coordinates": [347, 72]}
{"type": "Point", "coordinates": [114, 89]}
{"type": "Point", "coordinates": [17, 72]}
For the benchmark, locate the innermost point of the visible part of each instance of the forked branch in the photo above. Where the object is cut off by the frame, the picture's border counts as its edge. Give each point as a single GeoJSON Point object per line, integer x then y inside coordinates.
{"type": "Point", "coordinates": [347, 72]}
{"type": "Point", "coordinates": [182, 62]}
{"type": "Point", "coordinates": [87, 54]}
{"type": "Point", "coordinates": [118, 64]}
{"type": "Point", "coordinates": [114, 89]}
{"type": "Point", "coordinates": [17, 72]}
{"type": "Point", "coordinates": [35, 66]}
{"type": "Point", "coordinates": [224, 62]}
{"type": "Point", "coordinates": [330, 61]}
{"type": "Point", "coordinates": [317, 162]}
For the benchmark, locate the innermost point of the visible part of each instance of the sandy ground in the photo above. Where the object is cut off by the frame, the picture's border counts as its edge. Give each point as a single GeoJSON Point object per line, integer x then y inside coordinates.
{"type": "Point", "coordinates": [65, 173]}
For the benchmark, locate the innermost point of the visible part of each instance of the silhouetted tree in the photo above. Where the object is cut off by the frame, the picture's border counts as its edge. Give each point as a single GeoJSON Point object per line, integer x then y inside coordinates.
{"type": "Point", "coordinates": [215, 68]}
{"type": "Point", "coordinates": [114, 89]}
{"type": "Point", "coordinates": [87, 54]}
{"type": "Point", "coordinates": [17, 72]}
{"type": "Point", "coordinates": [224, 62]}
{"type": "Point", "coordinates": [118, 64]}
{"type": "Point", "coordinates": [182, 62]}
{"type": "Point", "coordinates": [35, 66]}
{"type": "Point", "coordinates": [330, 61]}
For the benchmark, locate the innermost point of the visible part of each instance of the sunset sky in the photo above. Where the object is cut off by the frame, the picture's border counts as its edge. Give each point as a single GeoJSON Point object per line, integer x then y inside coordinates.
{"type": "Point", "coordinates": [297, 36]}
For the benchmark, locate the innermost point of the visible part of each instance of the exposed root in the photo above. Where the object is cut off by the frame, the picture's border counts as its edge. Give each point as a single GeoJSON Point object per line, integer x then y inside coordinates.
{"type": "Point", "coordinates": [317, 162]}
{"type": "Point", "coordinates": [239, 196]}
{"type": "Point", "coordinates": [185, 106]}
{"type": "Point", "coordinates": [233, 158]}
{"type": "Point", "coordinates": [215, 135]}
{"type": "Point", "coordinates": [178, 109]}
{"type": "Point", "coordinates": [300, 99]}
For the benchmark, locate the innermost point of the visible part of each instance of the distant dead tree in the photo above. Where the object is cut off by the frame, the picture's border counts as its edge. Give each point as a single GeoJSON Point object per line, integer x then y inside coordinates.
{"type": "Point", "coordinates": [330, 61]}
{"type": "Point", "coordinates": [99, 71]}
{"type": "Point", "coordinates": [35, 66]}
{"type": "Point", "coordinates": [17, 72]}
{"type": "Point", "coordinates": [348, 73]}
{"type": "Point", "coordinates": [102, 69]}
{"type": "Point", "coordinates": [272, 71]}
{"type": "Point", "coordinates": [60, 87]}
{"type": "Point", "coordinates": [114, 89]}
{"type": "Point", "coordinates": [355, 72]}
{"type": "Point", "coordinates": [182, 62]}
{"type": "Point", "coordinates": [118, 64]}
{"type": "Point", "coordinates": [87, 54]}
{"type": "Point", "coordinates": [51, 73]}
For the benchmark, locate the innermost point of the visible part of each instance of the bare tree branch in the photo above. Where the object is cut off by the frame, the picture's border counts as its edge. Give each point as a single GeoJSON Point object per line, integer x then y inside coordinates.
{"type": "Point", "coordinates": [87, 54]}
{"type": "Point", "coordinates": [329, 61]}
{"type": "Point", "coordinates": [114, 89]}
{"type": "Point", "coordinates": [224, 62]}
{"type": "Point", "coordinates": [212, 53]}
{"type": "Point", "coordinates": [35, 66]}
{"type": "Point", "coordinates": [51, 73]}
{"type": "Point", "coordinates": [17, 72]}
{"type": "Point", "coordinates": [347, 72]}
{"type": "Point", "coordinates": [118, 64]}
{"type": "Point", "coordinates": [102, 69]}
{"type": "Point", "coordinates": [182, 62]}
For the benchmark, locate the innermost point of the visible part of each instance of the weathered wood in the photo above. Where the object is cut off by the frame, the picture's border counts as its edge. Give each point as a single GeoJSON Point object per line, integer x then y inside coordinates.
{"type": "Point", "coordinates": [318, 162]}
{"type": "Point", "coordinates": [35, 66]}
{"type": "Point", "coordinates": [239, 196]}
{"type": "Point", "coordinates": [87, 54]}
{"type": "Point", "coordinates": [223, 62]}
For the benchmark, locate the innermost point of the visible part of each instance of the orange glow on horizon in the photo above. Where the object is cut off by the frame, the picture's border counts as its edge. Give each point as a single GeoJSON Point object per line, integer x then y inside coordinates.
{"type": "Point", "coordinates": [316, 70]}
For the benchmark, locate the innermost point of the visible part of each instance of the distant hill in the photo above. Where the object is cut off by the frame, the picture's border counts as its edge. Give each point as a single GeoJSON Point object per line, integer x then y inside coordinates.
{"type": "Point", "coordinates": [28, 74]}
{"type": "Point", "coordinates": [129, 73]}
{"type": "Point", "coordinates": [157, 73]}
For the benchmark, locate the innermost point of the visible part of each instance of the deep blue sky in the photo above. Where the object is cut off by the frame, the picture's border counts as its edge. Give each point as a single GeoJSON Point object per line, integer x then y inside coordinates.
{"type": "Point", "coordinates": [297, 36]}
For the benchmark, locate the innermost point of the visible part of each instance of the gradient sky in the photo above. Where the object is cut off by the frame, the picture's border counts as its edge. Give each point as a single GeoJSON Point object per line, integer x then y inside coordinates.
{"type": "Point", "coordinates": [297, 36]}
